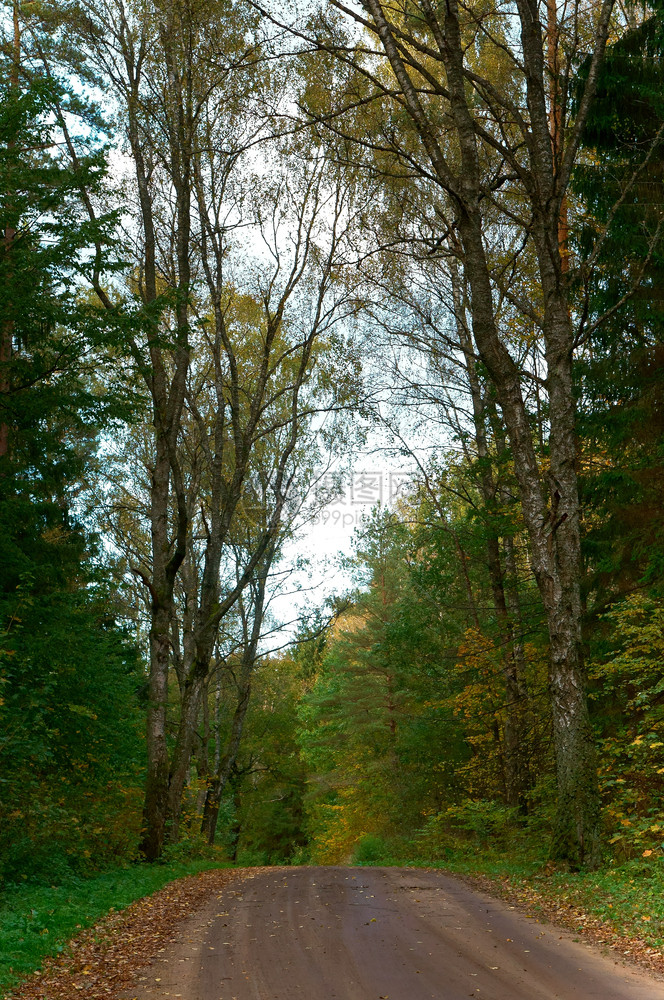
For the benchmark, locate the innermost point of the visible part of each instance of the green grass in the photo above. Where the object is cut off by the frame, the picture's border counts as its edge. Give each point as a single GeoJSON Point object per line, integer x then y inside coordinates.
{"type": "Point", "coordinates": [630, 897]}
{"type": "Point", "coordinates": [494, 864]}
{"type": "Point", "coordinates": [38, 920]}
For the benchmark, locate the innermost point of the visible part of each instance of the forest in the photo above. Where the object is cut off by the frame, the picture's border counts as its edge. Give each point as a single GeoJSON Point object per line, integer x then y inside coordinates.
{"type": "Point", "coordinates": [249, 250]}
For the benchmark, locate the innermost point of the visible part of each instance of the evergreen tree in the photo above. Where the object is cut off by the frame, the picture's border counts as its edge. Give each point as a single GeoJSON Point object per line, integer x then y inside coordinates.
{"type": "Point", "coordinates": [620, 374]}
{"type": "Point", "coordinates": [68, 676]}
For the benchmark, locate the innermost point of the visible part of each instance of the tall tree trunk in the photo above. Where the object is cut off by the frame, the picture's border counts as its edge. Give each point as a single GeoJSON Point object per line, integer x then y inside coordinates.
{"type": "Point", "coordinates": [166, 381]}
{"type": "Point", "coordinates": [522, 702]}
{"type": "Point", "coordinates": [166, 559]}
{"type": "Point", "coordinates": [576, 835]}
{"type": "Point", "coordinates": [190, 705]}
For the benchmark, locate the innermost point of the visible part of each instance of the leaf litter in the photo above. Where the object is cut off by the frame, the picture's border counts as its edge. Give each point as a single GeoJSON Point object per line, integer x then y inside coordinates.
{"type": "Point", "coordinates": [102, 961]}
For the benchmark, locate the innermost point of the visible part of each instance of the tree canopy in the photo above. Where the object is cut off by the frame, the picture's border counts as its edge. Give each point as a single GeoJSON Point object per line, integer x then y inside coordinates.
{"type": "Point", "coordinates": [245, 252]}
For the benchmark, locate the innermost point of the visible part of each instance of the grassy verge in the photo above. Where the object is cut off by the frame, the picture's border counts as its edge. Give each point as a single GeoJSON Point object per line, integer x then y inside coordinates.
{"type": "Point", "coordinates": [38, 920]}
{"type": "Point", "coordinates": [629, 898]}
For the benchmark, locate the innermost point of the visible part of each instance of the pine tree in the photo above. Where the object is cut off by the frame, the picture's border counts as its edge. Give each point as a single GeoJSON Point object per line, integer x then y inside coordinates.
{"type": "Point", "coordinates": [68, 677]}
{"type": "Point", "coordinates": [620, 374]}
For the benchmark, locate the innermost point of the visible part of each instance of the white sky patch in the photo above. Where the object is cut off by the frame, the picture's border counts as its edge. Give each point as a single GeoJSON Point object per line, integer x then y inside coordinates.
{"type": "Point", "coordinates": [374, 480]}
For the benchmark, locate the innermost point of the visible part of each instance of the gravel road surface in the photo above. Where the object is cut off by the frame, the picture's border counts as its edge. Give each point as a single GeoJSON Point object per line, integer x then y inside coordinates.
{"type": "Point", "coordinates": [378, 934]}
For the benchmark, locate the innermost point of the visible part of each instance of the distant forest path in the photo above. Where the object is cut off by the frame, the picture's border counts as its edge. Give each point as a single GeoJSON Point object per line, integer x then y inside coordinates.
{"type": "Point", "coordinates": [339, 933]}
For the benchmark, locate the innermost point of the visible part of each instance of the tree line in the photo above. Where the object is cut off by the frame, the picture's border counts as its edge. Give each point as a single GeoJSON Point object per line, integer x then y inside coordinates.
{"type": "Point", "coordinates": [235, 242]}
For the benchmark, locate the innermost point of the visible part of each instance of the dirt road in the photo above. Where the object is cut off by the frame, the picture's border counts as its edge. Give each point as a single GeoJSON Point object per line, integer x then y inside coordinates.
{"type": "Point", "coordinates": [377, 934]}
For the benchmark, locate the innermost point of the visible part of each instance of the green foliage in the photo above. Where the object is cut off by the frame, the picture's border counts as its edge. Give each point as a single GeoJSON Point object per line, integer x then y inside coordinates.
{"type": "Point", "coordinates": [261, 817]}
{"type": "Point", "coordinates": [71, 755]}
{"type": "Point", "coordinates": [621, 389]}
{"type": "Point", "coordinates": [405, 721]}
{"type": "Point", "coordinates": [56, 371]}
{"type": "Point", "coordinates": [378, 733]}
{"type": "Point", "coordinates": [629, 692]}
{"type": "Point", "coordinates": [403, 741]}
{"type": "Point", "coordinates": [483, 821]}
{"type": "Point", "coordinates": [629, 897]}
{"type": "Point", "coordinates": [373, 850]}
